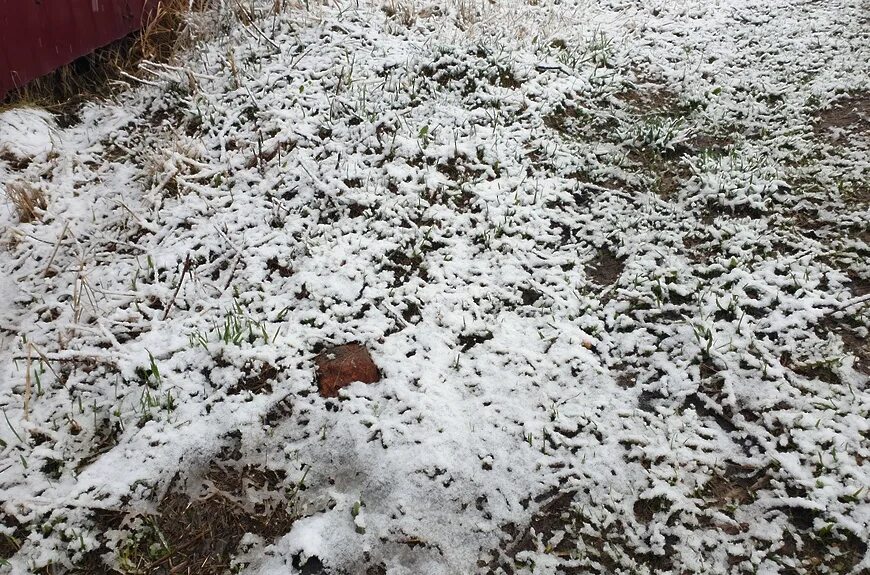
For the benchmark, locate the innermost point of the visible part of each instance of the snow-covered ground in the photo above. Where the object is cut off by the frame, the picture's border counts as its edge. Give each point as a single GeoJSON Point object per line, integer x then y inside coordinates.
{"type": "Point", "coordinates": [610, 257]}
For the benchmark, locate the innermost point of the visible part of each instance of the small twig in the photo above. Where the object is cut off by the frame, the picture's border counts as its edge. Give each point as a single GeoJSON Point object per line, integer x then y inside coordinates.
{"type": "Point", "coordinates": [45, 359]}
{"type": "Point", "coordinates": [139, 220]}
{"type": "Point", "coordinates": [254, 25]}
{"type": "Point", "coordinates": [74, 356]}
{"type": "Point", "coordinates": [54, 252]}
{"type": "Point", "coordinates": [554, 68]}
{"type": "Point", "coordinates": [27, 385]}
{"type": "Point", "coordinates": [140, 80]}
{"type": "Point", "coordinates": [854, 301]}
{"type": "Point", "coordinates": [394, 313]}
{"type": "Point", "coordinates": [184, 271]}
{"type": "Point", "coordinates": [232, 273]}
{"type": "Point", "coordinates": [230, 242]}
{"type": "Point", "coordinates": [165, 181]}
{"type": "Point", "coordinates": [144, 65]}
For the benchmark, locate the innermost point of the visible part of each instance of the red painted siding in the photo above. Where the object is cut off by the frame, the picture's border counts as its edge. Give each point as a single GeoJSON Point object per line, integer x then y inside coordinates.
{"type": "Point", "coordinates": [38, 36]}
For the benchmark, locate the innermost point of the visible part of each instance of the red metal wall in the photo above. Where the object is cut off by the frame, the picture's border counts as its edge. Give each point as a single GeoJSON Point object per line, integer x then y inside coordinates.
{"type": "Point", "coordinates": [38, 36]}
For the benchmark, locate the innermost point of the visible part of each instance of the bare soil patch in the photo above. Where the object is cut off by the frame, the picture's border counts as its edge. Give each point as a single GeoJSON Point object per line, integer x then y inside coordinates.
{"type": "Point", "coordinates": [606, 267]}
{"type": "Point", "coordinates": [200, 531]}
{"type": "Point", "coordinates": [850, 114]}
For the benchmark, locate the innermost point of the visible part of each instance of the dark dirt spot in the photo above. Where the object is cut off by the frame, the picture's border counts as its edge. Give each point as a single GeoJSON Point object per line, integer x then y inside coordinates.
{"type": "Point", "coordinates": [458, 171]}
{"type": "Point", "coordinates": [530, 295]}
{"type": "Point", "coordinates": [329, 215]}
{"type": "Point", "coordinates": [198, 532]}
{"type": "Point", "coordinates": [356, 210]}
{"type": "Point", "coordinates": [411, 313]}
{"type": "Point", "coordinates": [646, 509]}
{"type": "Point", "coordinates": [13, 161]}
{"type": "Point", "coordinates": [9, 544]}
{"type": "Point", "coordinates": [624, 376]}
{"type": "Point", "coordinates": [712, 382]}
{"type": "Point", "coordinates": [701, 407]}
{"type": "Point", "coordinates": [281, 411]}
{"type": "Point", "coordinates": [53, 468]}
{"type": "Point", "coordinates": [849, 114]}
{"type": "Point", "coordinates": [469, 340]}
{"type": "Point", "coordinates": [404, 267]}
{"type": "Point", "coordinates": [606, 267]}
{"type": "Point", "coordinates": [648, 100]}
{"type": "Point", "coordinates": [664, 168]}
{"type": "Point", "coordinates": [710, 144]}
{"type": "Point", "coordinates": [574, 122]}
{"type": "Point", "coordinates": [647, 400]}
{"type": "Point", "coordinates": [506, 78]}
{"type": "Point", "coordinates": [860, 348]}
{"type": "Point", "coordinates": [838, 550]}
{"type": "Point", "coordinates": [553, 516]}
{"type": "Point", "coordinates": [560, 528]}
{"type": "Point", "coordinates": [302, 293]}
{"type": "Point", "coordinates": [379, 569]}
{"type": "Point", "coordinates": [860, 195]}
{"type": "Point", "coordinates": [311, 566]}
{"type": "Point", "coordinates": [470, 71]}
{"type": "Point", "coordinates": [702, 404]}
{"type": "Point", "coordinates": [859, 285]}
{"type": "Point", "coordinates": [713, 210]}
{"type": "Point", "coordinates": [275, 266]}
{"type": "Point", "coordinates": [104, 438]}
{"type": "Point", "coordinates": [821, 370]}
{"type": "Point", "coordinates": [257, 378]}
{"type": "Point", "coordinates": [852, 342]}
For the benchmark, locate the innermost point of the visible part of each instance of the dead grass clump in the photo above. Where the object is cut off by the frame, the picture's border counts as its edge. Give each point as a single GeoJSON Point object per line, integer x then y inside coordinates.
{"type": "Point", "coordinates": [401, 11]}
{"type": "Point", "coordinates": [28, 199]}
{"type": "Point", "coordinates": [166, 31]}
{"type": "Point", "coordinates": [736, 485]}
{"type": "Point", "coordinates": [467, 14]}
{"type": "Point", "coordinates": [100, 73]}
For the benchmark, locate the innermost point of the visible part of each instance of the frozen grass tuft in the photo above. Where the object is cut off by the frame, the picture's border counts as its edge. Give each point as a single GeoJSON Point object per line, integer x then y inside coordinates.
{"type": "Point", "coordinates": [28, 200]}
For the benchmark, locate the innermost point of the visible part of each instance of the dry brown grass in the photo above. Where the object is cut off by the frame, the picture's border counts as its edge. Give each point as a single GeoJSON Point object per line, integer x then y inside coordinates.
{"type": "Point", "coordinates": [402, 11]}
{"type": "Point", "coordinates": [28, 199]}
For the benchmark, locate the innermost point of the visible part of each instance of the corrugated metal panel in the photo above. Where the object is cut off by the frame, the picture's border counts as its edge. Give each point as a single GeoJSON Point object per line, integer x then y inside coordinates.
{"type": "Point", "coordinates": [39, 36]}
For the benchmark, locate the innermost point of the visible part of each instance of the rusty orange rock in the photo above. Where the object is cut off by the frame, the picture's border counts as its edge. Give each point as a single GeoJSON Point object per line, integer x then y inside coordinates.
{"type": "Point", "coordinates": [338, 367]}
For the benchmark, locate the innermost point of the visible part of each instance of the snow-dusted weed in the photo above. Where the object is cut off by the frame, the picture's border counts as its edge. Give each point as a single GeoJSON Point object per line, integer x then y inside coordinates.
{"type": "Point", "coordinates": [658, 133]}
{"type": "Point", "coordinates": [28, 200]}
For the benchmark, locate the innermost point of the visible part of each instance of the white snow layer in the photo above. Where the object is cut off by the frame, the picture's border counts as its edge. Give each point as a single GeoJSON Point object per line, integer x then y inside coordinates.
{"type": "Point", "coordinates": [602, 249]}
